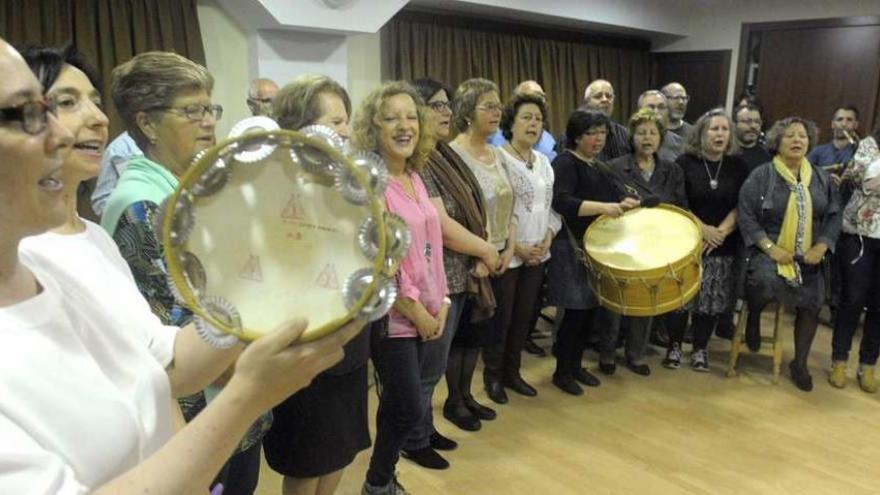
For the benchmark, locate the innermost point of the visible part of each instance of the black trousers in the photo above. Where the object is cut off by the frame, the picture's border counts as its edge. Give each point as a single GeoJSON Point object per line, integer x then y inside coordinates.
{"type": "Point", "coordinates": [860, 283]}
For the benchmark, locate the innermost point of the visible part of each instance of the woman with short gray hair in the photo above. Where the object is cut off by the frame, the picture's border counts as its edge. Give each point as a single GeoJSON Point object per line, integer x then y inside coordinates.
{"type": "Point", "coordinates": [165, 102]}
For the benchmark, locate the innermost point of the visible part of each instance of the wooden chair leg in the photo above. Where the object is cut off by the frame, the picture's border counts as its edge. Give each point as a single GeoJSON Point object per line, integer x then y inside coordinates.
{"type": "Point", "coordinates": [736, 341]}
{"type": "Point", "coordinates": [777, 342]}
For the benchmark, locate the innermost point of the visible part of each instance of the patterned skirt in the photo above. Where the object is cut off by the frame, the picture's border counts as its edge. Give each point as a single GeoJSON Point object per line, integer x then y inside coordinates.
{"type": "Point", "coordinates": [716, 286]}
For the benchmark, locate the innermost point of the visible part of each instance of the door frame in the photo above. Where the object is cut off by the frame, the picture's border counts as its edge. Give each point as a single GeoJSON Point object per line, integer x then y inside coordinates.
{"type": "Point", "coordinates": [755, 27]}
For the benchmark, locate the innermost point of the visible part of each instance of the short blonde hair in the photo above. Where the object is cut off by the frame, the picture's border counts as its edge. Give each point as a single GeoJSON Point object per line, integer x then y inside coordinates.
{"type": "Point", "coordinates": [365, 130]}
{"type": "Point", "coordinates": [464, 102]}
{"type": "Point", "coordinates": [297, 104]}
{"type": "Point", "coordinates": [150, 81]}
{"type": "Point", "coordinates": [694, 143]}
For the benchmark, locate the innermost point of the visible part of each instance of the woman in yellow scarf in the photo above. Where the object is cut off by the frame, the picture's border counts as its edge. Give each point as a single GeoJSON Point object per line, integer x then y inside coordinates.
{"type": "Point", "coordinates": [789, 214]}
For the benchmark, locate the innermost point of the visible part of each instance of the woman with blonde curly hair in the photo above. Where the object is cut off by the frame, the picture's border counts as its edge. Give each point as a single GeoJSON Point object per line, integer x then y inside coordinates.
{"type": "Point", "coordinates": [392, 122]}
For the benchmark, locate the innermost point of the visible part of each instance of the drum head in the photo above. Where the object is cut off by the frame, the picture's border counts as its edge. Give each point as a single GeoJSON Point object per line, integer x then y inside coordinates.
{"type": "Point", "coordinates": [642, 239]}
{"type": "Point", "coordinates": [646, 262]}
{"type": "Point", "coordinates": [272, 239]}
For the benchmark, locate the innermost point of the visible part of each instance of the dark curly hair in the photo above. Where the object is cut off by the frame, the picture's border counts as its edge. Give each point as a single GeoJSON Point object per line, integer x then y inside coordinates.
{"type": "Point", "coordinates": [512, 108]}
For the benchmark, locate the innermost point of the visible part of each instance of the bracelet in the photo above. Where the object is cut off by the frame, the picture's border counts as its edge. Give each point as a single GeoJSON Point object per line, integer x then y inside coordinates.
{"type": "Point", "coordinates": [767, 246]}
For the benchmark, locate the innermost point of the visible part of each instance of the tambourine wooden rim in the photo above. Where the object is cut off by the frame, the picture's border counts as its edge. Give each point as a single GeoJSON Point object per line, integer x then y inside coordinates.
{"type": "Point", "coordinates": [598, 269]}
{"type": "Point", "coordinates": [279, 137]}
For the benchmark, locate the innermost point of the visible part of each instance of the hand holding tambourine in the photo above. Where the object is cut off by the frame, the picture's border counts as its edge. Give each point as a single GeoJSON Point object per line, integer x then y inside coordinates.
{"type": "Point", "coordinates": [273, 224]}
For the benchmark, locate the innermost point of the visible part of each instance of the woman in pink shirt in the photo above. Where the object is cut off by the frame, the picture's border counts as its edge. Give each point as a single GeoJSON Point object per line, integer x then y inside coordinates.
{"type": "Point", "coordinates": [390, 123]}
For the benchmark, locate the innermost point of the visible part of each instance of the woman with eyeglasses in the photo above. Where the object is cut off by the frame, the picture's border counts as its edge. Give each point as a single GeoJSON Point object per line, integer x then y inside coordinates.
{"type": "Point", "coordinates": [456, 195]}
{"type": "Point", "coordinates": [88, 374]}
{"type": "Point", "coordinates": [476, 115]}
{"type": "Point", "coordinates": [165, 102]}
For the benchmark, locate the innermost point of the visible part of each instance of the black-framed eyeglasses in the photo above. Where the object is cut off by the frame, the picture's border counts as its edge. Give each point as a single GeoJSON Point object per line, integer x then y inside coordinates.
{"type": "Point", "coordinates": [33, 115]}
{"type": "Point", "coordinates": [679, 97]}
{"type": "Point", "coordinates": [196, 112]}
{"type": "Point", "coordinates": [260, 101]}
{"type": "Point", "coordinates": [439, 106]}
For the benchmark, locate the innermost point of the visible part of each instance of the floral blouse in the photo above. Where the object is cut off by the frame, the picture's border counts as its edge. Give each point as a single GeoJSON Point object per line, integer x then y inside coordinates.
{"type": "Point", "coordinates": [862, 214]}
{"type": "Point", "coordinates": [140, 247]}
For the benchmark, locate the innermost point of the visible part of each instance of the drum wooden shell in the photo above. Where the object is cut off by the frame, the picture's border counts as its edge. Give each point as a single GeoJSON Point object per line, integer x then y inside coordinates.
{"type": "Point", "coordinates": [280, 244]}
{"type": "Point", "coordinates": [646, 262]}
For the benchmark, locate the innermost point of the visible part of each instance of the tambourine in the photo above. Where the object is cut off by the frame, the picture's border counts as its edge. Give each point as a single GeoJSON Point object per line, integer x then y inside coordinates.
{"type": "Point", "coordinates": [272, 224]}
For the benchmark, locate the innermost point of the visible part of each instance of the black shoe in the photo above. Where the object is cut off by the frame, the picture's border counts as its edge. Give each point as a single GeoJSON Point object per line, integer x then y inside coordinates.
{"type": "Point", "coordinates": [639, 369]}
{"type": "Point", "coordinates": [567, 384]}
{"type": "Point", "coordinates": [801, 377]}
{"type": "Point", "coordinates": [520, 386]}
{"type": "Point", "coordinates": [478, 410]}
{"type": "Point", "coordinates": [439, 442]}
{"type": "Point", "coordinates": [607, 368]}
{"type": "Point", "coordinates": [753, 336]}
{"type": "Point", "coordinates": [426, 457]}
{"type": "Point", "coordinates": [495, 391]}
{"type": "Point", "coordinates": [585, 377]}
{"type": "Point", "coordinates": [534, 349]}
{"type": "Point", "coordinates": [461, 416]}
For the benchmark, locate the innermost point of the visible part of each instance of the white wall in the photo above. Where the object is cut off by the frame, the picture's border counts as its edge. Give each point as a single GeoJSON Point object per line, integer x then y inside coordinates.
{"type": "Point", "coordinates": [235, 56]}
{"type": "Point", "coordinates": [226, 56]}
{"type": "Point", "coordinates": [717, 24]}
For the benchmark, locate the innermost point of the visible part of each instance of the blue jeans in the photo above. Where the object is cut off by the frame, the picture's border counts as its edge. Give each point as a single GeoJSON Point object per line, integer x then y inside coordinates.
{"type": "Point", "coordinates": [433, 365]}
{"type": "Point", "coordinates": [401, 404]}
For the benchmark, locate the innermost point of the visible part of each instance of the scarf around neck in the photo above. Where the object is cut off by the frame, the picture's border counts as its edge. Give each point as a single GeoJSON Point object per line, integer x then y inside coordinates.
{"type": "Point", "coordinates": [142, 180]}
{"type": "Point", "coordinates": [796, 235]}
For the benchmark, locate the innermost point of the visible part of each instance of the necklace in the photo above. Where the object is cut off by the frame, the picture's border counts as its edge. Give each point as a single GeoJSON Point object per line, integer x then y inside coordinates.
{"type": "Point", "coordinates": [527, 162]}
{"type": "Point", "coordinates": [582, 157]}
{"type": "Point", "coordinates": [713, 181]}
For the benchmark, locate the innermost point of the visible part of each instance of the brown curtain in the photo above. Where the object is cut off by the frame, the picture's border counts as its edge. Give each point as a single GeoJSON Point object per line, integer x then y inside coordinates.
{"type": "Point", "coordinates": [107, 33]}
{"type": "Point", "coordinates": [452, 50]}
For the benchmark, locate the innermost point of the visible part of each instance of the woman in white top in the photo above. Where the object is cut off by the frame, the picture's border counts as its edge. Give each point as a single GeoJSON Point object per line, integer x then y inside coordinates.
{"type": "Point", "coordinates": [531, 177]}
{"type": "Point", "coordinates": [85, 404]}
{"type": "Point", "coordinates": [475, 116]}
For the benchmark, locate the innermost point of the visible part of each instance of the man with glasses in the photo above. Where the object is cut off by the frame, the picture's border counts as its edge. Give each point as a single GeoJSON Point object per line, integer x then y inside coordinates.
{"type": "Point", "coordinates": [546, 143]}
{"type": "Point", "coordinates": [260, 95]}
{"type": "Point", "coordinates": [677, 98]}
{"type": "Point", "coordinates": [748, 133]}
{"type": "Point", "coordinates": [673, 144]}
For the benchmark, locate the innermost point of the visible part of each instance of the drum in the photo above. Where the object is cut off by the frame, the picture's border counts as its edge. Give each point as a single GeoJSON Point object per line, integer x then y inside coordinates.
{"type": "Point", "coordinates": [646, 262]}
{"type": "Point", "coordinates": [273, 224]}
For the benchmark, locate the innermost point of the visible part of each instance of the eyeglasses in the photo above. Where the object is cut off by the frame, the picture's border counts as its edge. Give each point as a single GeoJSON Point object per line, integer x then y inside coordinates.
{"type": "Point", "coordinates": [439, 106]}
{"type": "Point", "coordinates": [196, 112]}
{"type": "Point", "coordinates": [491, 107]}
{"type": "Point", "coordinates": [679, 98]}
{"type": "Point", "coordinates": [33, 115]}
{"type": "Point", "coordinates": [260, 101]}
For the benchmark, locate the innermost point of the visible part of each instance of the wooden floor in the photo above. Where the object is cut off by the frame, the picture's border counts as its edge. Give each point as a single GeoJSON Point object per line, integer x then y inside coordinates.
{"type": "Point", "coordinates": [675, 432]}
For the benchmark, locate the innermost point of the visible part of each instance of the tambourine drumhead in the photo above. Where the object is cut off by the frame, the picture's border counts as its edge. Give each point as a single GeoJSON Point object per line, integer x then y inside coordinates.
{"type": "Point", "coordinates": [645, 262]}
{"type": "Point", "coordinates": [273, 242]}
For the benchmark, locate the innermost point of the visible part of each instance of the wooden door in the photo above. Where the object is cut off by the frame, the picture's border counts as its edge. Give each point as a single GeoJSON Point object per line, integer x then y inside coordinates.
{"type": "Point", "coordinates": [704, 75]}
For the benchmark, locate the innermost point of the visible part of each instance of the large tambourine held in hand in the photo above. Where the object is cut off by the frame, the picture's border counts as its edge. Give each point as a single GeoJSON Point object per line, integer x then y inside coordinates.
{"type": "Point", "coordinates": [273, 224]}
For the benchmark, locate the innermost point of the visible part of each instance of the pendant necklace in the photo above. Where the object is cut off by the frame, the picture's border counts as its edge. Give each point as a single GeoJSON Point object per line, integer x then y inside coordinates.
{"type": "Point", "coordinates": [527, 162]}
{"type": "Point", "coordinates": [713, 181]}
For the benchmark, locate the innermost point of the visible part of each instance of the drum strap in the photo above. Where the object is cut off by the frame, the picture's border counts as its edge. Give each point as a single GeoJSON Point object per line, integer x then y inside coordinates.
{"type": "Point", "coordinates": [579, 253]}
